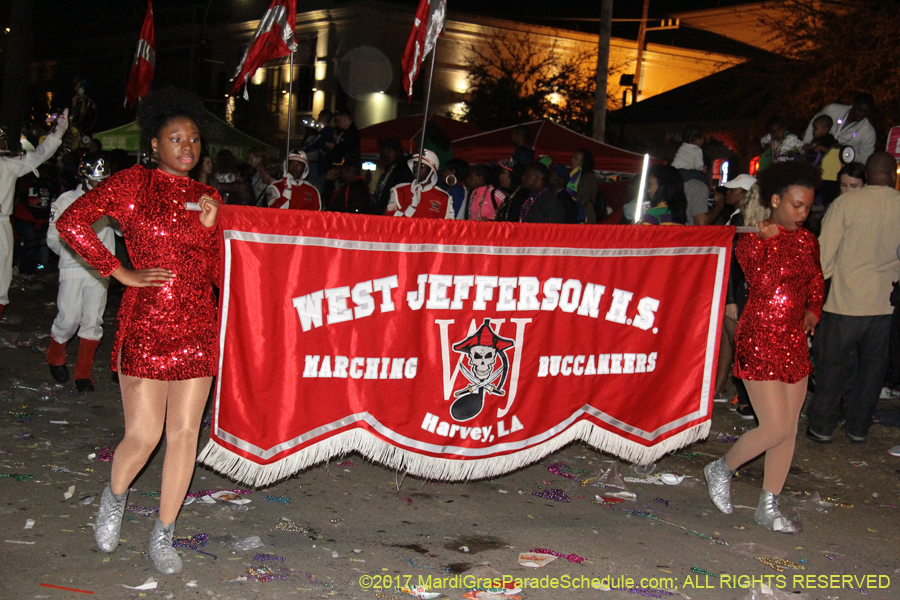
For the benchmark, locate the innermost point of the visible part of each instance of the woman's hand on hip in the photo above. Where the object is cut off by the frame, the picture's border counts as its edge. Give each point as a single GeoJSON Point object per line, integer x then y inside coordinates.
{"type": "Point", "coordinates": [155, 277]}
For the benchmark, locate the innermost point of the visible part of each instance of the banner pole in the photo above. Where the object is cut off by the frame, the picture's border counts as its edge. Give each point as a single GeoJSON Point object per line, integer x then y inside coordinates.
{"type": "Point", "coordinates": [425, 122]}
{"type": "Point", "coordinates": [290, 105]}
{"type": "Point", "coordinates": [640, 199]}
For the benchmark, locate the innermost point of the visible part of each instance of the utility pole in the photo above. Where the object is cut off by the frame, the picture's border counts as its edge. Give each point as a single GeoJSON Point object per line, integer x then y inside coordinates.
{"type": "Point", "coordinates": [642, 34]}
{"type": "Point", "coordinates": [600, 91]}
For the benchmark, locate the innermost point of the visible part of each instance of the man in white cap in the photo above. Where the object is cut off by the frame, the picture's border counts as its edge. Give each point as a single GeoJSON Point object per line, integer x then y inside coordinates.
{"type": "Point", "coordinates": [292, 191]}
{"type": "Point", "coordinates": [421, 198]}
{"type": "Point", "coordinates": [81, 300]}
{"type": "Point", "coordinates": [11, 168]}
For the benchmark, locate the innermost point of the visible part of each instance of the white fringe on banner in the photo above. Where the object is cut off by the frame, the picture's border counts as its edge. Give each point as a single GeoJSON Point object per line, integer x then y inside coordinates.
{"type": "Point", "coordinates": [438, 469]}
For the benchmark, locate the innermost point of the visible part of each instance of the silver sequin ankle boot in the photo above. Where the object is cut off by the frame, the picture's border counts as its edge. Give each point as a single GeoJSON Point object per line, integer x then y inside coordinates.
{"type": "Point", "coordinates": [718, 480]}
{"type": "Point", "coordinates": [163, 555]}
{"type": "Point", "coordinates": [769, 515]}
{"type": "Point", "coordinates": [109, 519]}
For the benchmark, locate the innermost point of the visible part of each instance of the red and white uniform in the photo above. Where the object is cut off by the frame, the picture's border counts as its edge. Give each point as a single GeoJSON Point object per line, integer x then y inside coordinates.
{"type": "Point", "coordinates": [82, 289]}
{"type": "Point", "coordinates": [428, 202]}
{"type": "Point", "coordinates": [292, 194]}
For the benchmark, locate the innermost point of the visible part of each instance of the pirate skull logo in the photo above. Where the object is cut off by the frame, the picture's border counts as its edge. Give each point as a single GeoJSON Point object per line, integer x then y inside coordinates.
{"type": "Point", "coordinates": [482, 360]}
{"type": "Point", "coordinates": [482, 349]}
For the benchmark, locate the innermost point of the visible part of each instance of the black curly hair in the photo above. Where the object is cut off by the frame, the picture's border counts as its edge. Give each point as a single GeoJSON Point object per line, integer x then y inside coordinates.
{"type": "Point", "coordinates": [161, 106]}
{"type": "Point", "coordinates": [777, 178]}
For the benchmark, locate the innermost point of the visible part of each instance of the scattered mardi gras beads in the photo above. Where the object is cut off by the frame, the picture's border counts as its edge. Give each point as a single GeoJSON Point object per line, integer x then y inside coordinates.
{"type": "Point", "coordinates": [639, 513]}
{"type": "Point", "coordinates": [106, 454]}
{"type": "Point", "coordinates": [662, 501]}
{"type": "Point", "coordinates": [262, 557]}
{"type": "Point", "coordinates": [265, 573]}
{"type": "Point", "coordinates": [780, 564]}
{"type": "Point", "coordinates": [151, 494]}
{"type": "Point", "coordinates": [195, 542]}
{"type": "Point", "coordinates": [650, 480]}
{"type": "Point", "coordinates": [414, 564]}
{"type": "Point", "coordinates": [558, 495]}
{"type": "Point", "coordinates": [346, 463]}
{"type": "Point", "coordinates": [208, 492]}
{"type": "Point", "coordinates": [287, 525]}
{"type": "Point", "coordinates": [569, 557]}
{"type": "Point", "coordinates": [277, 499]}
{"type": "Point", "coordinates": [688, 455]}
{"type": "Point", "coordinates": [700, 571]}
{"type": "Point", "coordinates": [648, 592]}
{"type": "Point", "coordinates": [59, 469]}
{"type": "Point", "coordinates": [564, 470]}
{"type": "Point", "coordinates": [407, 500]}
{"type": "Point", "coordinates": [16, 476]}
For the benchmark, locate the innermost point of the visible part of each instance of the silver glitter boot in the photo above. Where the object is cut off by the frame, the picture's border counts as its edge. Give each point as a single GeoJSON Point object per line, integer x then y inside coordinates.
{"type": "Point", "coordinates": [163, 555]}
{"type": "Point", "coordinates": [109, 519]}
{"type": "Point", "coordinates": [769, 515]}
{"type": "Point", "coordinates": [718, 480]}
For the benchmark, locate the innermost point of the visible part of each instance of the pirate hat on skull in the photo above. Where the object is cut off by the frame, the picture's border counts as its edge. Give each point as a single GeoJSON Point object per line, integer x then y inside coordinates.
{"type": "Point", "coordinates": [484, 336]}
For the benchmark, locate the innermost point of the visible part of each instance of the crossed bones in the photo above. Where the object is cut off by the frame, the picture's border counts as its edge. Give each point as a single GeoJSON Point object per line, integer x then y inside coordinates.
{"type": "Point", "coordinates": [476, 385]}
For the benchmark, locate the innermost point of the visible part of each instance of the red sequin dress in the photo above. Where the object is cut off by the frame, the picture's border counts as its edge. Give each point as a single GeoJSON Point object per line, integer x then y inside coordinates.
{"type": "Point", "coordinates": [785, 277]}
{"type": "Point", "coordinates": [166, 333]}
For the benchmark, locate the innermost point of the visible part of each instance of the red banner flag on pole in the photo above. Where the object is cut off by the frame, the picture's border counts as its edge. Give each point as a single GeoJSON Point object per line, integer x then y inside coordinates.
{"type": "Point", "coordinates": [274, 37]}
{"type": "Point", "coordinates": [425, 31]}
{"type": "Point", "coordinates": [144, 66]}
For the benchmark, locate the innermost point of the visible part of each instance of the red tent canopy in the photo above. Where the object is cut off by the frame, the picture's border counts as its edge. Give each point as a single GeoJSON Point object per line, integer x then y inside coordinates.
{"type": "Point", "coordinates": [550, 139]}
{"type": "Point", "coordinates": [408, 130]}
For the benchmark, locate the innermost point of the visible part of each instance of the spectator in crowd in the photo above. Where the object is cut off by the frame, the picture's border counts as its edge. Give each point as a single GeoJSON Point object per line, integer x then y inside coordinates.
{"type": "Point", "coordinates": [851, 126]}
{"type": "Point", "coordinates": [203, 172]}
{"type": "Point", "coordinates": [510, 178]}
{"type": "Point", "coordinates": [81, 299]}
{"type": "Point", "coordinates": [225, 168]}
{"type": "Point", "coordinates": [781, 144]}
{"type": "Point", "coordinates": [665, 189]}
{"type": "Point", "coordinates": [742, 192]}
{"type": "Point", "coordinates": [438, 142]}
{"type": "Point", "coordinates": [31, 216]}
{"type": "Point", "coordinates": [860, 236]}
{"type": "Point", "coordinates": [822, 141]}
{"type": "Point", "coordinates": [317, 149]}
{"type": "Point", "coordinates": [256, 156]}
{"type": "Point", "coordinates": [453, 180]}
{"type": "Point", "coordinates": [292, 191]}
{"type": "Point", "coordinates": [240, 191]}
{"type": "Point", "coordinates": [394, 171]}
{"type": "Point", "coordinates": [852, 177]}
{"type": "Point", "coordinates": [559, 182]}
{"type": "Point", "coordinates": [487, 195]}
{"type": "Point", "coordinates": [689, 158]}
{"type": "Point", "coordinates": [542, 204]}
{"type": "Point", "coordinates": [582, 185]}
{"type": "Point", "coordinates": [421, 198]}
{"type": "Point", "coordinates": [771, 354]}
{"type": "Point", "coordinates": [346, 146]}
{"type": "Point", "coordinates": [271, 171]}
{"type": "Point", "coordinates": [11, 168]}
{"type": "Point", "coordinates": [353, 195]}
{"type": "Point", "coordinates": [523, 154]}
{"type": "Point", "coordinates": [696, 192]}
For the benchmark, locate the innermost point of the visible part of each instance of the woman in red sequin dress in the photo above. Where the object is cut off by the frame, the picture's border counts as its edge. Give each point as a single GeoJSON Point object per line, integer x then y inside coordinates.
{"type": "Point", "coordinates": [782, 266]}
{"type": "Point", "coordinates": [166, 342]}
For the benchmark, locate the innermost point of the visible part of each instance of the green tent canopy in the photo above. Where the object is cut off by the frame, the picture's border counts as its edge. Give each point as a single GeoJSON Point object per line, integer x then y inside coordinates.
{"type": "Point", "coordinates": [219, 135]}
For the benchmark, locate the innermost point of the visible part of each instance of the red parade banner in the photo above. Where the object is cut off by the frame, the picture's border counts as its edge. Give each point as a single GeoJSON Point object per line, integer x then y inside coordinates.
{"type": "Point", "coordinates": [459, 350]}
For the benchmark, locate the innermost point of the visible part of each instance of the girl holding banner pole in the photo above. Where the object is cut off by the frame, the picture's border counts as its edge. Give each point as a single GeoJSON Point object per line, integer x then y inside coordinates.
{"type": "Point", "coordinates": [782, 266]}
{"type": "Point", "coordinates": [165, 347]}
